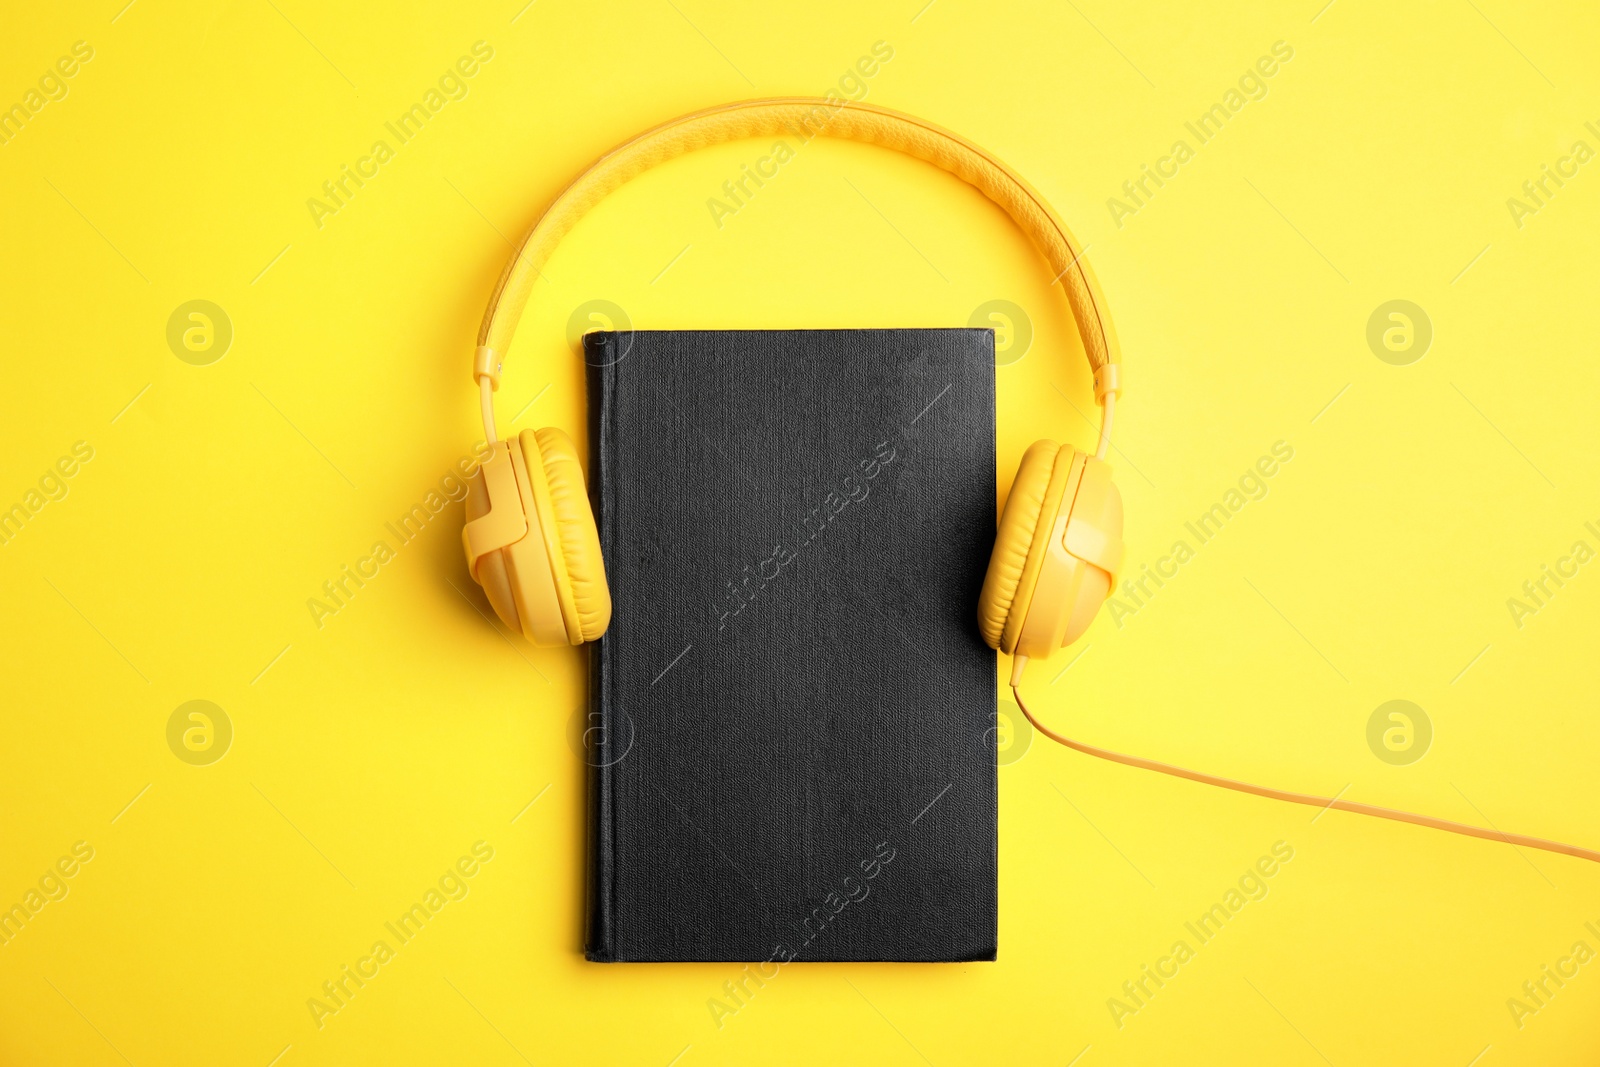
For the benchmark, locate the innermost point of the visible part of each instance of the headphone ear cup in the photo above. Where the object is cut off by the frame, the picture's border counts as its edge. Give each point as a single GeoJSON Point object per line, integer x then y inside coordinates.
{"type": "Point", "coordinates": [579, 569]}
{"type": "Point", "coordinates": [490, 570]}
{"type": "Point", "coordinates": [999, 609]}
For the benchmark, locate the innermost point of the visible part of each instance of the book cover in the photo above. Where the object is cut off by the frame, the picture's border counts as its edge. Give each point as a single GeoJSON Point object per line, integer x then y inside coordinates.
{"type": "Point", "coordinates": [792, 753]}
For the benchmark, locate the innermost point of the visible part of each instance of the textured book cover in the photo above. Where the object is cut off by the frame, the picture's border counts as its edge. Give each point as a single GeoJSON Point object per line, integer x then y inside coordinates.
{"type": "Point", "coordinates": [791, 740]}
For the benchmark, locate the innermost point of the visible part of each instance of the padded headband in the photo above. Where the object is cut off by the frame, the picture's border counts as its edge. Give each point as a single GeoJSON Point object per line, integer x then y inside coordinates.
{"type": "Point", "coordinates": [807, 117]}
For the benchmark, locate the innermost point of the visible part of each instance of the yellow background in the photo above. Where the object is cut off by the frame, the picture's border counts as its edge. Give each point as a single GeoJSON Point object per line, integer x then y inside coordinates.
{"type": "Point", "coordinates": [369, 754]}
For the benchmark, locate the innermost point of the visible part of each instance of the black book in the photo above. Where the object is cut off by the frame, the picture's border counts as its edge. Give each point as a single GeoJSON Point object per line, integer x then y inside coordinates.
{"type": "Point", "coordinates": [792, 714]}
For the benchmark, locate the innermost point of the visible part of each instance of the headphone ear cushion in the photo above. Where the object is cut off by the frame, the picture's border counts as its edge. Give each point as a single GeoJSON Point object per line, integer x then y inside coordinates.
{"type": "Point", "coordinates": [1018, 523]}
{"type": "Point", "coordinates": [585, 592]}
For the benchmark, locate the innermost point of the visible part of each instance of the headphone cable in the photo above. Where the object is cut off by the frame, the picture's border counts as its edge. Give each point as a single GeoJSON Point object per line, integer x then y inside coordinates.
{"type": "Point", "coordinates": [1304, 798]}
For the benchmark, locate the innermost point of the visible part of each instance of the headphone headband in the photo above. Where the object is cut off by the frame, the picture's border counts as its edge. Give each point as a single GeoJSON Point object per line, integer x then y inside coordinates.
{"type": "Point", "coordinates": [806, 117]}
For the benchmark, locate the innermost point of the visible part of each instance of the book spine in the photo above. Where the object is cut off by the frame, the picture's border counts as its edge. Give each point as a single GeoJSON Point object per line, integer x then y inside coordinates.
{"type": "Point", "coordinates": [600, 938]}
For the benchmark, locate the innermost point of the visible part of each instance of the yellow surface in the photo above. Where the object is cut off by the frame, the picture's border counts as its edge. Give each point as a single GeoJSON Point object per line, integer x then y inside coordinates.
{"type": "Point", "coordinates": [369, 755]}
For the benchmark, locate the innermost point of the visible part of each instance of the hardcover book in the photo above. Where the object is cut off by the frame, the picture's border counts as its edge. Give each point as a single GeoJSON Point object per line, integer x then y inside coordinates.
{"type": "Point", "coordinates": [791, 723]}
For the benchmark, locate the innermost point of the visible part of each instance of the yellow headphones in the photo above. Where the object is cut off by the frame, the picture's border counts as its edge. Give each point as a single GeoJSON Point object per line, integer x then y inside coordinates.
{"type": "Point", "coordinates": [530, 536]}
{"type": "Point", "coordinates": [531, 539]}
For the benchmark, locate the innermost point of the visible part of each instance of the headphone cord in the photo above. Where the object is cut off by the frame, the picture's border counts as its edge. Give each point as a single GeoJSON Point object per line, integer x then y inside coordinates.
{"type": "Point", "coordinates": [1303, 798]}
